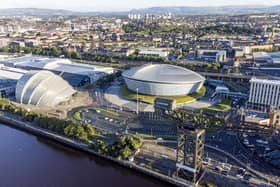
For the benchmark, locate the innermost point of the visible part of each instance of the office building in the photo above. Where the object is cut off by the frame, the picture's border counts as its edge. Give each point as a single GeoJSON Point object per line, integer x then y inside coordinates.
{"type": "Point", "coordinates": [212, 55]}
{"type": "Point", "coordinates": [264, 94]}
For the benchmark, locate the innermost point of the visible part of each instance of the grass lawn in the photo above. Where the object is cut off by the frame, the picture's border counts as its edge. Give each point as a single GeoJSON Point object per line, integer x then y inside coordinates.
{"type": "Point", "coordinates": [220, 107]}
{"type": "Point", "coordinates": [150, 99]}
{"type": "Point", "coordinates": [4, 101]}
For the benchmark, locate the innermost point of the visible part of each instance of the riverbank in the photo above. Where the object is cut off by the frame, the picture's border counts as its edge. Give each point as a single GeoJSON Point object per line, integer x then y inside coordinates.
{"type": "Point", "coordinates": [84, 148]}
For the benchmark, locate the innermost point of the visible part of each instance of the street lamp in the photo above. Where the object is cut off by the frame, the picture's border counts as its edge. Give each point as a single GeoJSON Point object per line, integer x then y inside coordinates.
{"type": "Point", "coordinates": [137, 107]}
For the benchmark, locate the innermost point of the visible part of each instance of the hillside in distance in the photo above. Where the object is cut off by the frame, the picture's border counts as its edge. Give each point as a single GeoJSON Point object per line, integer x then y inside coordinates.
{"type": "Point", "coordinates": [34, 12]}
{"type": "Point", "coordinates": [222, 10]}
{"type": "Point", "coordinates": [180, 10]}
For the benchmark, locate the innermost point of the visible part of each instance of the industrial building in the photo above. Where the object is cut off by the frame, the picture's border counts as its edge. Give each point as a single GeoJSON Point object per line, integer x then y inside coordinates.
{"type": "Point", "coordinates": [271, 118]}
{"type": "Point", "coordinates": [258, 118]}
{"type": "Point", "coordinates": [43, 88]}
{"type": "Point", "coordinates": [264, 94]}
{"type": "Point", "coordinates": [163, 80]}
{"type": "Point", "coordinates": [212, 55]}
{"type": "Point", "coordinates": [8, 79]}
{"type": "Point", "coordinates": [75, 73]}
{"type": "Point", "coordinates": [154, 52]}
{"type": "Point", "coordinates": [263, 57]}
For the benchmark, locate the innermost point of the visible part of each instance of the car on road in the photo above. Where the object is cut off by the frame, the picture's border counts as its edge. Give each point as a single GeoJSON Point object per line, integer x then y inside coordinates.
{"type": "Point", "coordinates": [225, 173]}
{"type": "Point", "coordinates": [267, 149]}
{"type": "Point", "coordinates": [240, 173]}
{"type": "Point", "coordinates": [247, 176]}
{"type": "Point", "coordinates": [239, 176]}
{"type": "Point", "coordinates": [164, 156]}
{"type": "Point", "coordinates": [159, 139]}
{"type": "Point", "coordinates": [250, 146]}
{"type": "Point", "coordinates": [261, 141]}
{"type": "Point", "coordinates": [219, 168]}
{"type": "Point", "coordinates": [246, 142]}
{"type": "Point", "coordinates": [226, 166]}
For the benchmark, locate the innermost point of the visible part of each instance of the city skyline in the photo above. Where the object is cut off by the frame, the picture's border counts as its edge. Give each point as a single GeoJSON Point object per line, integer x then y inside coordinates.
{"type": "Point", "coordinates": [124, 93]}
{"type": "Point", "coordinates": [121, 5]}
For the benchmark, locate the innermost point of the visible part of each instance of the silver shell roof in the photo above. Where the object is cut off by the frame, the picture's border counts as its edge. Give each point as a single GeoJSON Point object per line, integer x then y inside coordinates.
{"type": "Point", "coordinates": [42, 88]}
{"type": "Point", "coordinates": [163, 73]}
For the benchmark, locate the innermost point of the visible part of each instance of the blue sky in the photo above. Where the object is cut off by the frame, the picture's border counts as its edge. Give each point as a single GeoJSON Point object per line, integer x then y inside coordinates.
{"type": "Point", "coordinates": [119, 5]}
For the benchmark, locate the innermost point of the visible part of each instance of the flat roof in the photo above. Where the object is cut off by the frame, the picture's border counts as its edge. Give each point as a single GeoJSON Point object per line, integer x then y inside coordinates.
{"type": "Point", "coordinates": [56, 64]}
{"type": "Point", "coordinates": [8, 73]}
{"type": "Point", "coordinates": [265, 81]}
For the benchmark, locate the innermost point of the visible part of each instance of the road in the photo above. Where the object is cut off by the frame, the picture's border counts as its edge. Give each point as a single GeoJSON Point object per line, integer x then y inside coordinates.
{"type": "Point", "coordinates": [240, 162]}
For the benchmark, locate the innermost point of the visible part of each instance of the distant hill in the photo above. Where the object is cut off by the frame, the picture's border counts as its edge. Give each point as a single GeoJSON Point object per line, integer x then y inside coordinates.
{"type": "Point", "coordinates": [180, 10]}
{"type": "Point", "coordinates": [35, 12]}
{"type": "Point", "coordinates": [254, 9]}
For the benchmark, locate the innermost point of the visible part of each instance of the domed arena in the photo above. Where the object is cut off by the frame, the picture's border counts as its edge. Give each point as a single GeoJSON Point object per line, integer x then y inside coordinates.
{"type": "Point", "coordinates": [163, 80]}
{"type": "Point", "coordinates": [43, 88]}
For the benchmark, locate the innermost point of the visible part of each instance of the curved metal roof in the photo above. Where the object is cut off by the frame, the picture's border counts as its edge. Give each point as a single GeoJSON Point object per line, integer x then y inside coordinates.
{"type": "Point", "coordinates": [42, 88]}
{"type": "Point", "coordinates": [163, 73]}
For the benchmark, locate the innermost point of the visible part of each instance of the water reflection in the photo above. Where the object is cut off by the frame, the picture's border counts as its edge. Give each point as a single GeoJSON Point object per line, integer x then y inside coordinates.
{"type": "Point", "coordinates": [27, 160]}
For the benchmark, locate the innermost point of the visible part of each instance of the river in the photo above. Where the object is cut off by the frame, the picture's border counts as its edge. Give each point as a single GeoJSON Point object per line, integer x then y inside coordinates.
{"type": "Point", "coordinates": [27, 160]}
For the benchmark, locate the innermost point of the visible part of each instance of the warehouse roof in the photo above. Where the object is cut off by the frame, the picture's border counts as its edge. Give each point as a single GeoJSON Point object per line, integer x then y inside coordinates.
{"type": "Point", "coordinates": [56, 64]}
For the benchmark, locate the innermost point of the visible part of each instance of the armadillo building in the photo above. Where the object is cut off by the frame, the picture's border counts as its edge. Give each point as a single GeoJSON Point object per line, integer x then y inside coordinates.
{"type": "Point", "coordinates": [43, 88]}
{"type": "Point", "coordinates": [163, 80]}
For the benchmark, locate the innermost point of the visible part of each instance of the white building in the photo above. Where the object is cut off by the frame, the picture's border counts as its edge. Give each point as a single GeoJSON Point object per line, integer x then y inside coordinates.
{"type": "Point", "coordinates": [264, 94]}
{"type": "Point", "coordinates": [4, 42]}
{"type": "Point", "coordinates": [8, 79]}
{"type": "Point", "coordinates": [212, 55]}
{"type": "Point", "coordinates": [163, 80]}
{"type": "Point", "coordinates": [155, 52]}
{"type": "Point", "coordinates": [262, 57]}
{"type": "Point", "coordinates": [43, 88]}
{"type": "Point", "coordinates": [75, 73]}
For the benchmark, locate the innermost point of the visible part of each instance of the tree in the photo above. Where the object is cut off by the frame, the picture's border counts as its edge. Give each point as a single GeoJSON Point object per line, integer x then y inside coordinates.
{"type": "Point", "coordinates": [126, 152]}
{"type": "Point", "coordinates": [54, 51]}
{"type": "Point", "coordinates": [76, 55]}
{"type": "Point", "coordinates": [5, 49]}
{"type": "Point", "coordinates": [89, 129]}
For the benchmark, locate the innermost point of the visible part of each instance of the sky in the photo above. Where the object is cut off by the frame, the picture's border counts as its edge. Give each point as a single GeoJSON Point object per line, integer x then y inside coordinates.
{"type": "Point", "coordinates": [120, 5]}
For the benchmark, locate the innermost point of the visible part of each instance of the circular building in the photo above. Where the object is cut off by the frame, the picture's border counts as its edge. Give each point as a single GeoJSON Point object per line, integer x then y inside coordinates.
{"type": "Point", "coordinates": [163, 80]}
{"type": "Point", "coordinates": [42, 88]}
